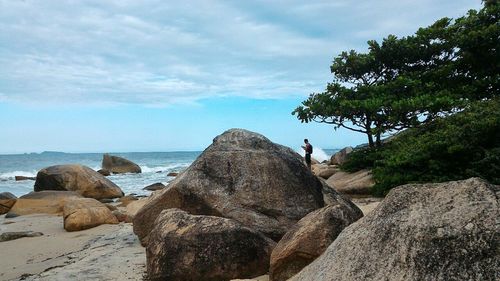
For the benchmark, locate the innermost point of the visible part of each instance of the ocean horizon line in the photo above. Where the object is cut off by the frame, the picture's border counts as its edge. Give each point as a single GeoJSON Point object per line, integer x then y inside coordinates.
{"type": "Point", "coordinates": [114, 152]}
{"type": "Point", "coordinates": [95, 152]}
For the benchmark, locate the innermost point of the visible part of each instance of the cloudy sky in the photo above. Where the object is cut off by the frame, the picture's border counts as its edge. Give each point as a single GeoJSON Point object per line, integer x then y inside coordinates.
{"type": "Point", "coordinates": [95, 76]}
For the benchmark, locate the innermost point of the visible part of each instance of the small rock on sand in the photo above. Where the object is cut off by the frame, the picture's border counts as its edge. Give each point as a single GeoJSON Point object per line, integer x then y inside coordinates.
{"type": "Point", "coordinates": [7, 236]}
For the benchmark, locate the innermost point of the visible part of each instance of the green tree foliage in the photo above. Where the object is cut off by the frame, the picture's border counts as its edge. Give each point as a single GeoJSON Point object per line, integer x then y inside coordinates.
{"type": "Point", "coordinates": [477, 40]}
{"type": "Point", "coordinates": [401, 83]}
{"type": "Point", "coordinates": [463, 145]}
{"type": "Point", "coordinates": [489, 3]}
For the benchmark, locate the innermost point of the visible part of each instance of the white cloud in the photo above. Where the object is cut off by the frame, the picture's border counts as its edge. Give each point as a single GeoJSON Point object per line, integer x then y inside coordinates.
{"type": "Point", "coordinates": [159, 53]}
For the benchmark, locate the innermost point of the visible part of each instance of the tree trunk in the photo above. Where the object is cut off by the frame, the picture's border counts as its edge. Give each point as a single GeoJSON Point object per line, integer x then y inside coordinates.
{"type": "Point", "coordinates": [370, 139]}
{"type": "Point", "coordinates": [379, 142]}
{"type": "Point", "coordinates": [368, 125]}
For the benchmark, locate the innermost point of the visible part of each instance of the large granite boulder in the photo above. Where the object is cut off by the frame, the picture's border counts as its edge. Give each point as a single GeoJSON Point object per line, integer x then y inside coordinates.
{"type": "Point", "coordinates": [189, 247]}
{"type": "Point", "coordinates": [119, 165]}
{"type": "Point", "coordinates": [7, 200]}
{"type": "Point", "coordinates": [340, 157]}
{"type": "Point", "coordinates": [245, 177]}
{"type": "Point", "coordinates": [324, 171]}
{"type": "Point", "coordinates": [43, 202]}
{"type": "Point", "coordinates": [357, 183]}
{"type": "Point", "coordinates": [309, 238]}
{"type": "Point", "coordinates": [78, 178]}
{"type": "Point", "coordinates": [85, 213]}
{"type": "Point", "coordinates": [444, 231]}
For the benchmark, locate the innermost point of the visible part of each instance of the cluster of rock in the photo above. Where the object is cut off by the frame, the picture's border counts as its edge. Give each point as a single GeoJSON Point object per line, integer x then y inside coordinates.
{"type": "Point", "coordinates": [221, 218]}
{"type": "Point", "coordinates": [247, 207]}
{"type": "Point", "coordinates": [358, 183]}
{"type": "Point", "coordinates": [73, 191]}
{"type": "Point", "coordinates": [78, 212]}
{"type": "Point", "coordinates": [43, 202]}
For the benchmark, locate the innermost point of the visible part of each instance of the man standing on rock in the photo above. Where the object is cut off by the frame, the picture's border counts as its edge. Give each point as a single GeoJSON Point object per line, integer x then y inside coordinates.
{"type": "Point", "coordinates": [309, 150]}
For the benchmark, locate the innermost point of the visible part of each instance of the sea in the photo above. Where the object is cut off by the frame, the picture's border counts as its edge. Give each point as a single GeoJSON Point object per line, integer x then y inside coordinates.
{"type": "Point", "coordinates": [154, 165]}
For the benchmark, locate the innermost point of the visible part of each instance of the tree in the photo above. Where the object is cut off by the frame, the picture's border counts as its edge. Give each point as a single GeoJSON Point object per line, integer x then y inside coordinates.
{"type": "Point", "coordinates": [340, 104]}
{"type": "Point", "coordinates": [404, 82]}
{"type": "Point", "coordinates": [369, 93]}
{"type": "Point", "coordinates": [463, 145]}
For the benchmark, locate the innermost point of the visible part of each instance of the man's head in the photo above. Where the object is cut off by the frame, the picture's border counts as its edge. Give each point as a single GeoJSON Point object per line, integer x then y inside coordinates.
{"type": "Point", "coordinates": [306, 141]}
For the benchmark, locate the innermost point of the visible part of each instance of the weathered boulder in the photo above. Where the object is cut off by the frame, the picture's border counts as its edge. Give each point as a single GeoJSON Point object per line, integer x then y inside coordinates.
{"type": "Point", "coordinates": [444, 231]}
{"type": "Point", "coordinates": [172, 174]}
{"type": "Point", "coordinates": [189, 247]}
{"type": "Point", "coordinates": [104, 172]}
{"type": "Point", "coordinates": [85, 213]}
{"type": "Point", "coordinates": [340, 157]}
{"type": "Point", "coordinates": [359, 183]}
{"type": "Point", "coordinates": [43, 202]}
{"type": "Point", "coordinates": [245, 177]}
{"type": "Point", "coordinates": [78, 178]}
{"type": "Point", "coordinates": [314, 161]}
{"type": "Point", "coordinates": [134, 206]}
{"type": "Point", "coordinates": [7, 200]}
{"type": "Point", "coordinates": [122, 216]}
{"type": "Point", "coordinates": [154, 186]}
{"type": "Point", "coordinates": [119, 165]}
{"type": "Point", "coordinates": [332, 197]}
{"type": "Point", "coordinates": [324, 171]}
{"type": "Point", "coordinates": [23, 178]}
{"type": "Point", "coordinates": [366, 204]}
{"type": "Point", "coordinates": [309, 238]}
{"type": "Point", "coordinates": [7, 236]}
{"type": "Point", "coordinates": [125, 200]}
{"type": "Point", "coordinates": [110, 207]}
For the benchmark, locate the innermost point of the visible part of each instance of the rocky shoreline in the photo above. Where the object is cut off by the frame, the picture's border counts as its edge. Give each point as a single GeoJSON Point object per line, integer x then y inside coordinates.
{"type": "Point", "coordinates": [105, 252]}
{"type": "Point", "coordinates": [249, 209]}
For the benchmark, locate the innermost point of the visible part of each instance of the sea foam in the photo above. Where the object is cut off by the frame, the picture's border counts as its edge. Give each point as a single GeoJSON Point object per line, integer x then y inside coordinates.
{"type": "Point", "coordinates": [318, 154]}
{"type": "Point", "coordinates": [11, 175]}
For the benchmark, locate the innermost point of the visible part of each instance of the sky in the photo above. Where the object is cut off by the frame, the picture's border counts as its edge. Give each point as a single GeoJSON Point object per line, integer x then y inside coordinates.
{"type": "Point", "coordinates": [151, 75]}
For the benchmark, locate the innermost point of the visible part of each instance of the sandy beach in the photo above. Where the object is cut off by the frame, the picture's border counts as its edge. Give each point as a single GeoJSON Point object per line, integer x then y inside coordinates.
{"type": "Point", "coordinates": [106, 252]}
